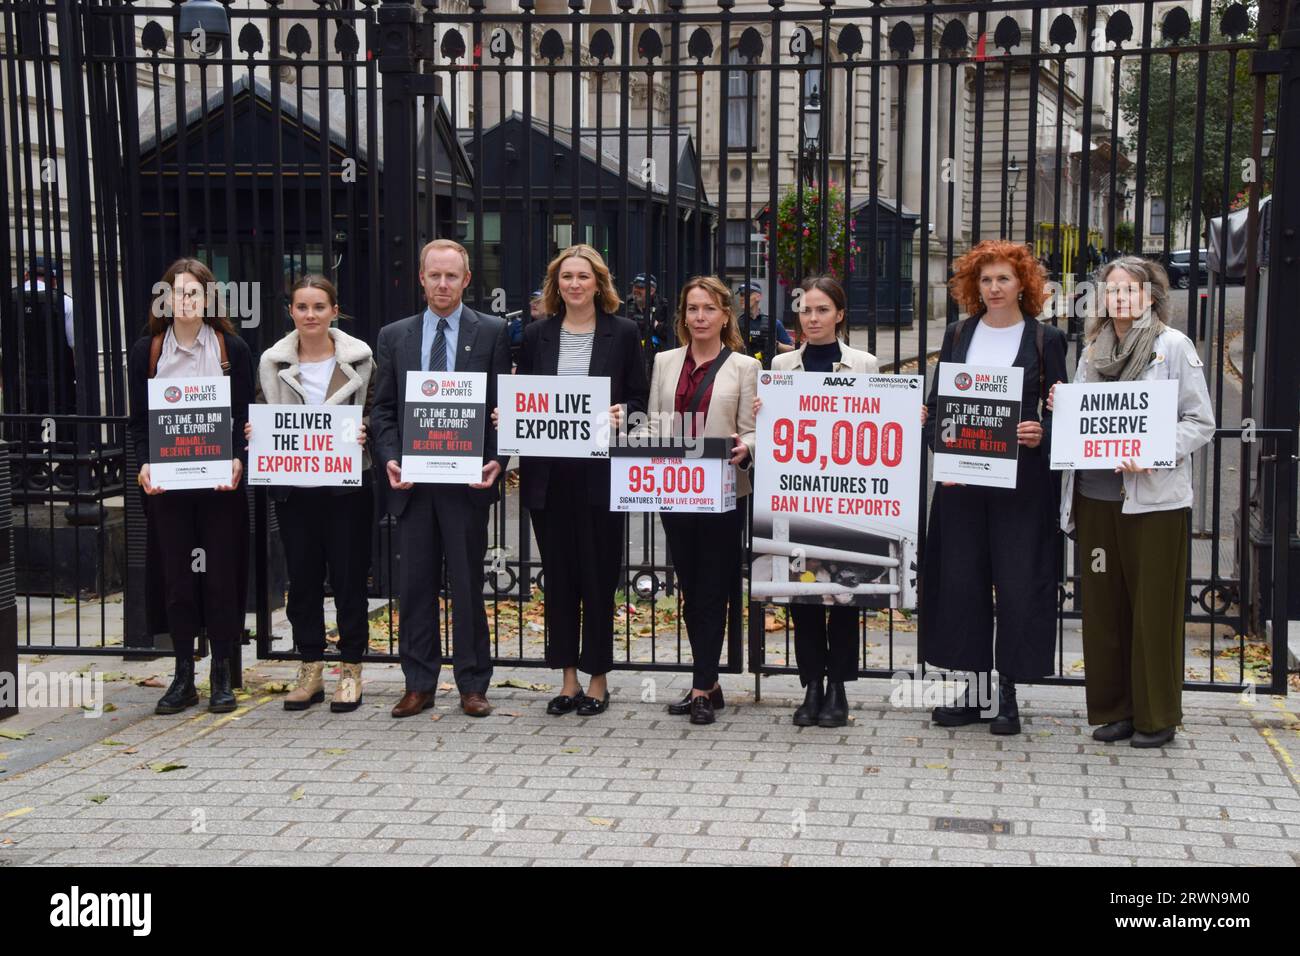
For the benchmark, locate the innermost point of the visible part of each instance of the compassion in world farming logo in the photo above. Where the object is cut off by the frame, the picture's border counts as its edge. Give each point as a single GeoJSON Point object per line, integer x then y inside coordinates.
{"type": "Point", "coordinates": [430, 387]}
{"type": "Point", "coordinates": [962, 381]}
{"type": "Point", "coordinates": [172, 394]}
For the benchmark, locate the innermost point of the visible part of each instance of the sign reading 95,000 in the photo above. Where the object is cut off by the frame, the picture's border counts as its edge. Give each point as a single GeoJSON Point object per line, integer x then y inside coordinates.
{"type": "Point", "coordinates": [836, 496]}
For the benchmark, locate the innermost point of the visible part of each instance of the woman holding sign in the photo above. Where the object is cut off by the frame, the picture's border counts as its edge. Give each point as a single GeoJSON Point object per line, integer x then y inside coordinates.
{"type": "Point", "coordinates": [580, 539]}
{"type": "Point", "coordinates": [825, 639]}
{"type": "Point", "coordinates": [198, 535]}
{"type": "Point", "coordinates": [324, 529]}
{"type": "Point", "coordinates": [987, 540]}
{"type": "Point", "coordinates": [1132, 522]}
{"type": "Point", "coordinates": [709, 380]}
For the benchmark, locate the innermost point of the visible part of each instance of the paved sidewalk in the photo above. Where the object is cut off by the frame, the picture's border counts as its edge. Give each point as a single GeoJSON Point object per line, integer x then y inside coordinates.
{"type": "Point", "coordinates": [268, 787]}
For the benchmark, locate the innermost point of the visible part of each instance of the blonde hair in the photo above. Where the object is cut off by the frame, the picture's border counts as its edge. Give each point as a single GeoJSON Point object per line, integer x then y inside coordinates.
{"type": "Point", "coordinates": [444, 244]}
{"type": "Point", "coordinates": [607, 299]}
{"type": "Point", "coordinates": [721, 294]}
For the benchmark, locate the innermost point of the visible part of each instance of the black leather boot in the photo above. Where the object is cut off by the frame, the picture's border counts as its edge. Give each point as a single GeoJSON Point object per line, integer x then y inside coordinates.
{"type": "Point", "coordinates": [835, 708]}
{"type": "Point", "coordinates": [221, 699]}
{"type": "Point", "coordinates": [966, 709]}
{"type": "Point", "coordinates": [808, 712]}
{"type": "Point", "coordinates": [1008, 719]}
{"type": "Point", "coordinates": [181, 693]}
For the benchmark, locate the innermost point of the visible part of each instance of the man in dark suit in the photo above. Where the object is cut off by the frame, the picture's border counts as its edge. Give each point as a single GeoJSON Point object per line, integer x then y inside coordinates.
{"type": "Point", "coordinates": [441, 529]}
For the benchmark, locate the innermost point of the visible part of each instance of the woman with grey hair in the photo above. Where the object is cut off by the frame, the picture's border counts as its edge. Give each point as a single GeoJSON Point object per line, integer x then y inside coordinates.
{"type": "Point", "coordinates": [1135, 519]}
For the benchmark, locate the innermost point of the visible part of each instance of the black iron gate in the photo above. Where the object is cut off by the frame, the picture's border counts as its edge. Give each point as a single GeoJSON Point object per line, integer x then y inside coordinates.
{"type": "Point", "coordinates": [760, 145]}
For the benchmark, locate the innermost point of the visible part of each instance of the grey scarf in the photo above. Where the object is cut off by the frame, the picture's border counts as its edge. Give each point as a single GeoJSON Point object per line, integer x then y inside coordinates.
{"type": "Point", "coordinates": [1117, 361]}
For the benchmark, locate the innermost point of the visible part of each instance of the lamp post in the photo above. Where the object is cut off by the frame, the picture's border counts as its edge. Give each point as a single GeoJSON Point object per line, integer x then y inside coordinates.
{"type": "Point", "coordinates": [812, 129]}
{"type": "Point", "coordinates": [1014, 170]}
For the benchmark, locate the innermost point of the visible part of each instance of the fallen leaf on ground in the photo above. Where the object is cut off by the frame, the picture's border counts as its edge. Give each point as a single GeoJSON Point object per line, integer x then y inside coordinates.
{"type": "Point", "coordinates": [570, 750]}
{"type": "Point", "coordinates": [20, 812]}
{"type": "Point", "coordinates": [15, 734]}
{"type": "Point", "coordinates": [161, 767]}
{"type": "Point", "coordinates": [112, 743]}
{"type": "Point", "coordinates": [936, 766]}
{"type": "Point", "coordinates": [335, 751]}
{"type": "Point", "coordinates": [98, 798]}
{"type": "Point", "coordinates": [445, 687]}
{"type": "Point", "coordinates": [150, 682]}
{"type": "Point", "coordinates": [297, 794]}
{"type": "Point", "coordinates": [436, 717]}
{"type": "Point", "coordinates": [521, 684]}
{"type": "Point", "coordinates": [508, 713]}
{"type": "Point", "coordinates": [601, 821]}
{"type": "Point", "coordinates": [275, 687]}
{"type": "Point", "coordinates": [131, 750]}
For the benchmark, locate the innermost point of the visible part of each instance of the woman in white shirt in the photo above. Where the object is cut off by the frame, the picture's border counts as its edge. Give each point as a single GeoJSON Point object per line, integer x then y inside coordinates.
{"type": "Point", "coordinates": [324, 529]}
{"type": "Point", "coordinates": [980, 540]}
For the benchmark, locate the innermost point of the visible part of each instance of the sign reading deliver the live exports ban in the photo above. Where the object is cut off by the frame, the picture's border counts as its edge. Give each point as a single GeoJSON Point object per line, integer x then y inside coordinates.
{"type": "Point", "coordinates": [442, 437]}
{"type": "Point", "coordinates": [304, 445]}
{"type": "Point", "coordinates": [189, 432]}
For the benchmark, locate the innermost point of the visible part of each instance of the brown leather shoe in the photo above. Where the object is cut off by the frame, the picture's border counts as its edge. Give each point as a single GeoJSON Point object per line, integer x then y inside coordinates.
{"type": "Point", "coordinates": [412, 703]}
{"type": "Point", "coordinates": [476, 705]}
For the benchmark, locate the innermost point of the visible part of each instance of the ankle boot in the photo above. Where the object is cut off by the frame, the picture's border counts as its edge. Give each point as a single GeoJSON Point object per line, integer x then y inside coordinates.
{"type": "Point", "coordinates": [810, 710]}
{"type": "Point", "coordinates": [309, 688]}
{"type": "Point", "coordinates": [966, 709]}
{"type": "Point", "coordinates": [181, 693]}
{"type": "Point", "coordinates": [221, 699]}
{"type": "Point", "coordinates": [1008, 719]}
{"type": "Point", "coordinates": [835, 708]}
{"type": "Point", "coordinates": [347, 695]}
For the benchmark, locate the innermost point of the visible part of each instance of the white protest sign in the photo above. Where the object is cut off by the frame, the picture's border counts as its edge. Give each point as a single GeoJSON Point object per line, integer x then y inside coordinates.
{"type": "Point", "coordinates": [1105, 424]}
{"type": "Point", "coordinates": [442, 435]}
{"type": "Point", "coordinates": [305, 445]}
{"type": "Point", "coordinates": [553, 416]}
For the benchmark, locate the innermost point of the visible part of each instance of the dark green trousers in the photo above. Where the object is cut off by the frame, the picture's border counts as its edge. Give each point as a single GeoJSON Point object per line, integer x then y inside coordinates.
{"type": "Point", "coordinates": [1134, 592]}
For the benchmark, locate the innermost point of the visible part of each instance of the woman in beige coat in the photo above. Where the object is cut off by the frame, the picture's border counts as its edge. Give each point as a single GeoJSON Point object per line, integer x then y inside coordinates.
{"type": "Point", "coordinates": [708, 382]}
{"type": "Point", "coordinates": [825, 638]}
{"type": "Point", "coordinates": [324, 530]}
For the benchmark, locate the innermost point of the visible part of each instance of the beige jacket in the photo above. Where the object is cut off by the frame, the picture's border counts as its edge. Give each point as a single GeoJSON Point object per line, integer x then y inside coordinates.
{"type": "Point", "coordinates": [731, 405]}
{"type": "Point", "coordinates": [278, 381]}
{"type": "Point", "coordinates": [851, 360]}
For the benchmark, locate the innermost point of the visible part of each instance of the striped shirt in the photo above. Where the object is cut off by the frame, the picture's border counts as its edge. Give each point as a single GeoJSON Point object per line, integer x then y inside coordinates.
{"type": "Point", "coordinates": [575, 352]}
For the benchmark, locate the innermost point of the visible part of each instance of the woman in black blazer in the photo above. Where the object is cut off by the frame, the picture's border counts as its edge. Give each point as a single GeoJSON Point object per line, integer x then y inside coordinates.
{"type": "Point", "coordinates": [580, 539]}
{"type": "Point", "coordinates": [187, 338]}
{"type": "Point", "coordinates": [984, 541]}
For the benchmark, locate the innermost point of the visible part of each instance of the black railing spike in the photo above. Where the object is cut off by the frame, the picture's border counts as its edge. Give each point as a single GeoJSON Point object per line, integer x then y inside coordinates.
{"type": "Point", "coordinates": [576, 6]}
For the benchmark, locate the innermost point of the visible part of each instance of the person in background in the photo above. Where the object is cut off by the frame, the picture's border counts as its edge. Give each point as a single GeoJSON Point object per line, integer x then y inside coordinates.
{"type": "Point", "coordinates": [1136, 519]}
{"type": "Point", "coordinates": [46, 381]}
{"type": "Point", "coordinates": [751, 296]}
{"type": "Point", "coordinates": [825, 637]}
{"type": "Point", "coordinates": [648, 313]}
{"type": "Point", "coordinates": [187, 338]}
{"type": "Point", "coordinates": [319, 364]}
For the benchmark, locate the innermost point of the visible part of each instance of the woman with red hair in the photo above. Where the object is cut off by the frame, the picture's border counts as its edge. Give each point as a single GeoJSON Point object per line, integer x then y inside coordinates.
{"type": "Point", "coordinates": [984, 541]}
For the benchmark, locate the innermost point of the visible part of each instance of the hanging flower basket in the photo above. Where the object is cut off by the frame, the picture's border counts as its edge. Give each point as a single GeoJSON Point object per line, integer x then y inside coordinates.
{"type": "Point", "coordinates": [798, 234]}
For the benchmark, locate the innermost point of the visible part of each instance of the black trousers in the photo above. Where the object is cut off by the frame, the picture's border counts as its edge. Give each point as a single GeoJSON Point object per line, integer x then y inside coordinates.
{"type": "Point", "coordinates": [986, 540]}
{"type": "Point", "coordinates": [825, 642]}
{"type": "Point", "coordinates": [706, 554]}
{"type": "Point", "coordinates": [199, 532]}
{"type": "Point", "coordinates": [443, 534]}
{"type": "Point", "coordinates": [581, 545]}
{"type": "Point", "coordinates": [327, 533]}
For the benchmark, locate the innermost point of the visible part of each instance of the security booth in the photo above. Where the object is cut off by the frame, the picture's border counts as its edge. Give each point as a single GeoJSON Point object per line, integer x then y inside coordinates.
{"type": "Point", "coordinates": [895, 232]}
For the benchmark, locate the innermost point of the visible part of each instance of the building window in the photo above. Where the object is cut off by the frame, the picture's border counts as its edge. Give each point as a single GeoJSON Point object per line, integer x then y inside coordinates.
{"type": "Point", "coordinates": [488, 271]}
{"type": "Point", "coordinates": [738, 239]}
{"type": "Point", "coordinates": [739, 136]}
{"type": "Point", "coordinates": [1157, 216]}
{"type": "Point", "coordinates": [758, 254]}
